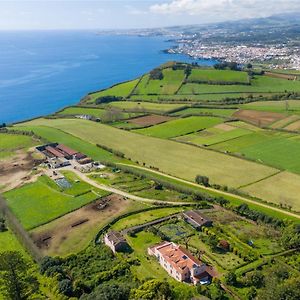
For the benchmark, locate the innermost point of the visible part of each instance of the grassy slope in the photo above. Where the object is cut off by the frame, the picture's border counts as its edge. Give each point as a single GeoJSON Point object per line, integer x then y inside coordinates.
{"type": "Point", "coordinates": [275, 106]}
{"type": "Point", "coordinates": [180, 126]}
{"type": "Point", "coordinates": [258, 84]}
{"type": "Point", "coordinates": [119, 90]}
{"type": "Point", "coordinates": [166, 155]}
{"type": "Point", "coordinates": [39, 202]}
{"type": "Point", "coordinates": [144, 106]}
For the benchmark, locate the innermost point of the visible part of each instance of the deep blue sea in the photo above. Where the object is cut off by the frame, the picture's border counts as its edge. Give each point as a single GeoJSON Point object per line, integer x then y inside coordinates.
{"type": "Point", "coordinates": [41, 72]}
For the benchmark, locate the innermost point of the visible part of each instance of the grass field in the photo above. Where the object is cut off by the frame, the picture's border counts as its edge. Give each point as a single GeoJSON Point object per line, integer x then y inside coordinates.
{"type": "Point", "coordinates": [214, 135]}
{"type": "Point", "coordinates": [168, 85]}
{"type": "Point", "coordinates": [119, 90]}
{"type": "Point", "coordinates": [166, 155]}
{"type": "Point", "coordinates": [204, 111]}
{"type": "Point", "coordinates": [258, 84]}
{"type": "Point", "coordinates": [282, 188]}
{"type": "Point", "coordinates": [180, 127]}
{"type": "Point", "coordinates": [212, 75]}
{"type": "Point", "coordinates": [95, 112]}
{"type": "Point", "coordinates": [37, 203]}
{"type": "Point", "coordinates": [9, 143]}
{"type": "Point", "coordinates": [275, 106]}
{"type": "Point", "coordinates": [280, 150]}
{"type": "Point", "coordinates": [144, 106]}
{"type": "Point", "coordinates": [9, 242]}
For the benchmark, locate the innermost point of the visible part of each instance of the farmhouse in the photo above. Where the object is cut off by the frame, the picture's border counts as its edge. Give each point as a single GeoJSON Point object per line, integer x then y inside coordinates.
{"type": "Point", "coordinates": [180, 263]}
{"type": "Point", "coordinates": [55, 163]}
{"type": "Point", "coordinates": [196, 219]}
{"type": "Point", "coordinates": [115, 241]}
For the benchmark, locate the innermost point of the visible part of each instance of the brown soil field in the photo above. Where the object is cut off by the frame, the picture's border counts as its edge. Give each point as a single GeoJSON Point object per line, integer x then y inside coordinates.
{"type": "Point", "coordinates": [75, 230]}
{"type": "Point", "coordinates": [225, 127]}
{"type": "Point", "coordinates": [260, 118]}
{"type": "Point", "coordinates": [150, 120]}
{"type": "Point", "coordinates": [285, 122]}
{"type": "Point", "coordinates": [16, 170]}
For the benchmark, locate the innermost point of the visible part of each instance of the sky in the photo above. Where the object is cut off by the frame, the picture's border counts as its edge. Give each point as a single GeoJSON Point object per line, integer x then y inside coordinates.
{"type": "Point", "coordinates": [122, 14]}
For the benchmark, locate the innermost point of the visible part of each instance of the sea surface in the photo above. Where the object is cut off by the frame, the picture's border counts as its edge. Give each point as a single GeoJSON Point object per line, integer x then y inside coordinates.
{"type": "Point", "coordinates": [41, 72]}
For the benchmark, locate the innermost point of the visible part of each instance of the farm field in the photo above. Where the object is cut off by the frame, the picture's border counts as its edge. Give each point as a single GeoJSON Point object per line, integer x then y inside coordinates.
{"type": "Point", "coordinates": [118, 90]}
{"type": "Point", "coordinates": [259, 118]}
{"type": "Point", "coordinates": [94, 112]}
{"type": "Point", "coordinates": [144, 106]}
{"type": "Point", "coordinates": [9, 143]}
{"type": "Point", "coordinates": [215, 135]}
{"type": "Point", "coordinates": [166, 155]}
{"type": "Point", "coordinates": [274, 189]}
{"type": "Point", "coordinates": [295, 126]}
{"type": "Point", "coordinates": [147, 216]}
{"type": "Point", "coordinates": [218, 76]}
{"type": "Point", "coordinates": [39, 202]}
{"type": "Point", "coordinates": [280, 150]}
{"type": "Point", "coordinates": [168, 85]}
{"type": "Point", "coordinates": [275, 106]}
{"type": "Point", "coordinates": [149, 120]}
{"type": "Point", "coordinates": [67, 239]}
{"type": "Point", "coordinates": [204, 111]}
{"type": "Point", "coordinates": [180, 127]}
{"type": "Point", "coordinates": [285, 122]}
{"type": "Point", "coordinates": [260, 84]}
{"type": "Point", "coordinates": [9, 242]}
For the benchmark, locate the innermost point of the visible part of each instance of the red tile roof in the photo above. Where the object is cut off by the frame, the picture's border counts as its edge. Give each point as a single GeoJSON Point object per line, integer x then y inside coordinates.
{"type": "Point", "coordinates": [66, 149]}
{"type": "Point", "coordinates": [54, 151]}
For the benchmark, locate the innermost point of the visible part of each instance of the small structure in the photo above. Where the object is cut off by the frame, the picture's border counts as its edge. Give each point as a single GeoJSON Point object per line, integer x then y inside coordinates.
{"type": "Point", "coordinates": [223, 244]}
{"type": "Point", "coordinates": [196, 219]}
{"type": "Point", "coordinates": [58, 162]}
{"type": "Point", "coordinates": [180, 263]}
{"type": "Point", "coordinates": [115, 241]}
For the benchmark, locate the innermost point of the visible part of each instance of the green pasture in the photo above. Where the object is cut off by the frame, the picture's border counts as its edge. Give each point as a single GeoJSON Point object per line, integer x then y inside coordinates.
{"type": "Point", "coordinates": [168, 85]}
{"type": "Point", "coordinates": [166, 155]}
{"type": "Point", "coordinates": [214, 135]}
{"type": "Point", "coordinates": [212, 75]}
{"type": "Point", "coordinates": [118, 90]}
{"type": "Point", "coordinates": [280, 150]}
{"type": "Point", "coordinates": [180, 127]}
{"type": "Point", "coordinates": [204, 111]}
{"type": "Point", "coordinates": [9, 143]}
{"type": "Point", "coordinates": [9, 242]}
{"type": "Point", "coordinates": [40, 202]}
{"type": "Point", "coordinates": [144, 106]}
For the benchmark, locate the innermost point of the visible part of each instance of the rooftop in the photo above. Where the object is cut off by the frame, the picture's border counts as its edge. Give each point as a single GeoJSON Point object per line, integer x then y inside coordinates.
{"type": "Point", "coordinates": [195, 215]}
{"type": "Point", "coordinates": [115, 237]}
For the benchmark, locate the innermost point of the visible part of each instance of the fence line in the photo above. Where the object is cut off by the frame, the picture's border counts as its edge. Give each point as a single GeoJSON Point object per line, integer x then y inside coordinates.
{"type": "Point", "coordinates": [22, 235]}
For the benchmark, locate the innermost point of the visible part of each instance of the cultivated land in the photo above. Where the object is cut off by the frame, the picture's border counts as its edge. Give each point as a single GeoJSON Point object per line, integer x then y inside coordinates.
{"type": "Point", "coordinates": [165, 155]}
{"type": "Point", "coordinates": [288, 106]}
{"type": "Point", "coordinates": [204, 111]}
{"type": "Point", "coordinates": [180, 127]}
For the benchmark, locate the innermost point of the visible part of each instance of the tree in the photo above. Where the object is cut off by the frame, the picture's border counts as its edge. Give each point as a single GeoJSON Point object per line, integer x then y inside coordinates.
{"type": "Point", "coordinates": [2, 225]}
{"type": "Point", "coordinates": [202, 180]}
{"type": "Point", "coordinates": [153, 290]}
{"type": "Point", "coordinates": [290, 237]}
{"type": "Point", "coordinates": [212, 241]}
{"type": "Point", "coordinates": [156, 74]}
{"type": "Point", "coordinates": [65, 287]}
{"type": "Point", "coordinates": [249, 66]}
{"type": "Point", "coordinates": [17, 283]}
{"type": "Point", "coordinates": [231, 278]}
{"type": "Point", "coordinates": [251, 294]}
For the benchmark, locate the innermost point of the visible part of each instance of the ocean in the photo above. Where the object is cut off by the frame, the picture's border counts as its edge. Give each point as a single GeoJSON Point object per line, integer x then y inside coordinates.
{"type": "Point", "coordinates": [41, 72]}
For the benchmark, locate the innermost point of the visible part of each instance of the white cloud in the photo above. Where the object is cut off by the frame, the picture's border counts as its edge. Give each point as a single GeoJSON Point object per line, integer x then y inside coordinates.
{"type": "Point", "coordinates": [226, 8]}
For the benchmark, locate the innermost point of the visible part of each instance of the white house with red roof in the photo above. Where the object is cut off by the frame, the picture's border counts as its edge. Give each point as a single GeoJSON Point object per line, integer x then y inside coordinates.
{"type": "Point", "coordinates": [180, 263]}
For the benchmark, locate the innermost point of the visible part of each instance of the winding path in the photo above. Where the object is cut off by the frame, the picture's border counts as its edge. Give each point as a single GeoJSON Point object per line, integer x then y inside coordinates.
{"type": "Point", "coordinates": [217, 191]}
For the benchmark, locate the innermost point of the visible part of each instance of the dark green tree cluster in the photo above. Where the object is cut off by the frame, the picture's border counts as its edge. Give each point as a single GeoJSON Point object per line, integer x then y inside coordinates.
{"type": "Point", "coordinates": [2, 225]}
{"type": "Point", "coordinates": [16, 282]}
{"type": "Point", "coordinates": [290, 238]}
{"type": "Point", "coordinates": [254, 215]}
{"type": "Point", "coordinates": [227, 65]}
{"type": "Point", "coordinates": [107, 99]}
{"type": "Point", "coordinates": [156, 74]}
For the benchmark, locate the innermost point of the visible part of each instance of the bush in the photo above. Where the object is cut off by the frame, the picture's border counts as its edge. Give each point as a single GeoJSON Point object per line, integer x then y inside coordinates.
{"type": "Point", "coordinates": [107, 99]}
